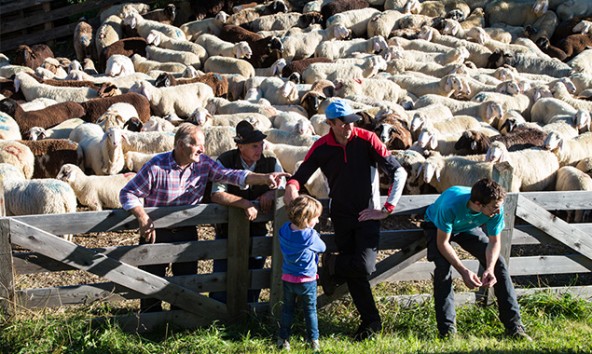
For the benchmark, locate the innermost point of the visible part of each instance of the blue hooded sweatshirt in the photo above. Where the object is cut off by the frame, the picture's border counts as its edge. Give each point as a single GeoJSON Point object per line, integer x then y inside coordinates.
{"type": "Point", "coordinates": [299, 249]}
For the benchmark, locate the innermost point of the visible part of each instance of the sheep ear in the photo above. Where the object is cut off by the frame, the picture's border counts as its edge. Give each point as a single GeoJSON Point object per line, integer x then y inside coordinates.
{"type": "Point", "coordinates": [437, 171]}
{"type": "Point", "coordinates": [433, 142]}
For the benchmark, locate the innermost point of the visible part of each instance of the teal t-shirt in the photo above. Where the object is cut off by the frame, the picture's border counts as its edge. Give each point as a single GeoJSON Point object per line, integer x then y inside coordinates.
{"type": "Point", "coordinates": [451, 214]}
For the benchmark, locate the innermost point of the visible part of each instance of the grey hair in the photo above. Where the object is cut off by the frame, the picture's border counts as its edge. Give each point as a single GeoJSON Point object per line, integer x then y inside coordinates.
{"type": "Point", "coordinates": [185, 131]}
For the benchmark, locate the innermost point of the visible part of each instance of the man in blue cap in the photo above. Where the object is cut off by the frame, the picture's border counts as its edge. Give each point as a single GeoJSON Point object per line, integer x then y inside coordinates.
{"type": "Point", "coordinates": [350, 158]}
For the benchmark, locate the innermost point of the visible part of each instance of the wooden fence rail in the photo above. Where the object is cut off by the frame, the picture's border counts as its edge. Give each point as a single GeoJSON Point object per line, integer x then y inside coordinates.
{"type": "Point", "coordinates": [121, 279]}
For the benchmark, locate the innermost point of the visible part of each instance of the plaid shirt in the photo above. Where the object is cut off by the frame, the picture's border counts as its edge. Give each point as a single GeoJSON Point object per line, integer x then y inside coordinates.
{"type": "Point", "coordinates": [162, 182]}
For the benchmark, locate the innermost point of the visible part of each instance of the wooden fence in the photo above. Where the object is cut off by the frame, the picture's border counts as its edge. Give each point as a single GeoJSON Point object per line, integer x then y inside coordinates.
{"type": "Point", "coordinates": [123, 280]}
{"type": "Point", "coordinates": [42, 21]}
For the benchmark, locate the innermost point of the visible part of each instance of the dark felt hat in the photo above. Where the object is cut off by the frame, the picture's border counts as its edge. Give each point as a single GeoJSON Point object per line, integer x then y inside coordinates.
{"type": "Point", "coordinates": [246, 133]}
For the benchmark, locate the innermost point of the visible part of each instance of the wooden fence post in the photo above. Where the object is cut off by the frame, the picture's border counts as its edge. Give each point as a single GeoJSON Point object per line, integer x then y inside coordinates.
{"type": "Point", "coordinates": [238, 251]}
{"type": "Point", "coordinates": [503, 174]}
{"type": "Point", "coordinates": [7, 298]}
{"type": "Point", "coordinates": [275, 293]}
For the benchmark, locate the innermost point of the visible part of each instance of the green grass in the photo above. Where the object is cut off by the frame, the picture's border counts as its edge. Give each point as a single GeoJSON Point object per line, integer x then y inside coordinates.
{"type": "Point", "coordinates": [558, 324]}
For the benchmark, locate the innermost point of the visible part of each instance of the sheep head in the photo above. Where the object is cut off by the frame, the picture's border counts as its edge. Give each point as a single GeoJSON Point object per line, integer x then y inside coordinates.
{"type": "Point", "coordinates": [131, 19]}
{"type": "Point", "coordinates": [540, 7]}
{"type": "Point", "coordinates": [553, 141]}
{"type": "Point", "coordinates": [154, 38]}
{"type": "Point", "coordinates": [339, 32]}
{"type": "Point", "coordinates": [432, 167]}
{"type": "Point", "coordinates": [497, 152]}
{"type": "Point", "coordinates": [68, 173]}
{"type": "Point", "coordinates": [569, 84]}
{"type": "Point", "coordinates": [451, 27]}
{"type": "Point", "coordinates": [427, 139]}
{"type": "Point", "coordinates": [419, 120]}
{"type": "Point", "coordinates": [200, 117]}
{"type": "Point", "coordinates": [242, 50]}
{"type": "Point", "coordinates": [583, 27]}
{"type": "Point", "coordinates": [582, 119]}
{"type": "Point", "coordinates": [37, 133]}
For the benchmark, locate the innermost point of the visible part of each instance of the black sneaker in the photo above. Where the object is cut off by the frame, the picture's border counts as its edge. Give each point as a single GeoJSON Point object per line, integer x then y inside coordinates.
{"type": "Point", "coordinates": [326, 280]}
{"type": "Point", "coordinates": [367, 331]}
{"type": "Point", "coordinates": [449, 334]}
{"type": "Point", "coordinates": [519, 333]}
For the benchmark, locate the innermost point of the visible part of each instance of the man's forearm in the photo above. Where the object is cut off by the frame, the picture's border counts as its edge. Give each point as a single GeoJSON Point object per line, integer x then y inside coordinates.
{"type": "Point", "coordinates": [229, 199]}
{"type": "Point", "coordinates": [139, 212]}
{"type": "Point", "coordinates": [492, 252]}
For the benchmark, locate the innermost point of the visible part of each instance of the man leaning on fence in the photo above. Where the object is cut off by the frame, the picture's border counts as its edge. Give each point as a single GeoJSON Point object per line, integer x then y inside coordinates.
{"type": "Point", "coordinates": [248, 155]}
{"type": "Point", "coordinates": [457, 216]}
{"type": "Point", "coordinates": [174, 178]}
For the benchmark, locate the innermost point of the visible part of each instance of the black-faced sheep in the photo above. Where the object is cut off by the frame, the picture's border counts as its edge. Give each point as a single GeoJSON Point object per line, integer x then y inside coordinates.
{"type": "Point", "coordinates": [394, 132]}
{"type": "Point", "coordinates": [32, 56]}
{"type": "Point", "coordinates": [475, 142]}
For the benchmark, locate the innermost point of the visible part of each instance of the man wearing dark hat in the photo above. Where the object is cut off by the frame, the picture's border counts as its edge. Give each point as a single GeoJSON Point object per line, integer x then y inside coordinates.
{"type": "Point", "coordinates": [350, 158]}
{"type": "Point", "coordinates": [249, 155]}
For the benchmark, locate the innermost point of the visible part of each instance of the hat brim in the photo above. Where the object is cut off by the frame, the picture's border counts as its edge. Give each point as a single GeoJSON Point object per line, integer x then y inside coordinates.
{"type": "Point", "coordinates": [255, 137]}
{"type": "Point", "coordinates": [350, 118]}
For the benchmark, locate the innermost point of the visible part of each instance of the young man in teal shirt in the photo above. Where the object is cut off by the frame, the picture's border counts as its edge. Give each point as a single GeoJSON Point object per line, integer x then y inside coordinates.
{"type": "Point", "coordinates": [457, 215]}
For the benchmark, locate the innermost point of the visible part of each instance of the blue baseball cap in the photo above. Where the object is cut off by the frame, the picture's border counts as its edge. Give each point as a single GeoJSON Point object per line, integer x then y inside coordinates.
{"type": "Point", "coordinates": [342, 110]}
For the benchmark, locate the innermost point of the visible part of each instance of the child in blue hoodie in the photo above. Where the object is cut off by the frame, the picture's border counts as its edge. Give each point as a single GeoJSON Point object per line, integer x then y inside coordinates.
{"type": "Point", "coordinates": [300, 245]}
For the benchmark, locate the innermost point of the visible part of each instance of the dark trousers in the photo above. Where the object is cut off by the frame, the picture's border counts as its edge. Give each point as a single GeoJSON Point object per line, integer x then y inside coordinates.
{"type": "Point", "coordinates": [306, 294]}
{"type": "Point", "coordinates": [182, 268]}
{"type": "Point", "coordinates": [475, 242]}
{"type": "Point", "coordinates": [357, 243]}
{"type": "Point", "coordinates": [221, 265]}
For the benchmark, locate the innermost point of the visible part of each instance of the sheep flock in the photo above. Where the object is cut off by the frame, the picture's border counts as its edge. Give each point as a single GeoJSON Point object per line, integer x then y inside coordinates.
{"type": "Point", "coordinates": [452, 87]}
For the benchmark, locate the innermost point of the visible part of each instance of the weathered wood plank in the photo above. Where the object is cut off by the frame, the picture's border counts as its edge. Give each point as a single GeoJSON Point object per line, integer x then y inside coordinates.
{"type": "Point", "coordinates": [569, 200]}
{"type": "Point", "coordinates": [555, 227]}
{"type": "Point", "coordinates": [12, 6]}
{"type": "Point", "coordinates": [150, 322]}
{"type": "Point", "coordinates": [237, 275]}
{"type": "Point", "coordinates": [384, 269]}
{"type": "Point", "coordinates": [116, 271]}
{"type": "Point", "coordinates": [276, 291]}
{"type": "Point", "coordinates": [7, 296]}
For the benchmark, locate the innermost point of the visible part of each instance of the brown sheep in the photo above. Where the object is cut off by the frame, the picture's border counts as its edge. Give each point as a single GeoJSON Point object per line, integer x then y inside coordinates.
{"type": "Point", "coordinates": [298, 66]}
{"type": "Point", "coordinates": [394, 132]}
{"type": "Point", "coordinates": [52, 154]}
{"type": "Point", "coordinates": [127, 46]}
{"type": "Point", "coordinates": [474, 142]}
{"type": "Point", "coordinates": [217, 82]}
{"type": "Point", "coordinates": [32, 56]}
{"type": "Point", "coordinates": [319, 92]}
{"type": "Point", "coordinates": [266, 50]}
{"type": "Point", "coordinates": [44, 118]}
{"type": "Point", "coordinates": [84, 44]}
{"type": "Point", "coordinates": [95, 107]}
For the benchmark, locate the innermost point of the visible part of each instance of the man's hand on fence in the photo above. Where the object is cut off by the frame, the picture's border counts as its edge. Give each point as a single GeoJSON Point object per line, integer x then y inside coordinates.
{"type": "Point", "coordinates": [371, 214]}
{"type": "Point", "coordinates": [147, 231]}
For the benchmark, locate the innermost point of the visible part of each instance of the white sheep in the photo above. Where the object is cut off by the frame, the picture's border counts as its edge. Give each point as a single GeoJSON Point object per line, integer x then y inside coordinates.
{"type": "Point", "coordinates": [60, 131]}
{"type": "Point", "coordinates": [95, 192]}
{"type": "Point", "coordinates": [175, 101]}
{"type": "Point", "coordinates": [569, 151]}
{"type": "Point", "coordinates": [276, 91]}
{"type": "Point", "coordinates": [378, 89]}
{"type": "Point", "coordinates": [382, 23]}
{"type": "Point", "coordinates": [216, 46]}
{"type": "Point", "coordinates": [134, 160]}
{"type": "Point", "coordinates": [303, 45]}
{"type": "Point", "coordinates": [147, 142]}
{"type": "Point", "coordinates": [161, 40]}
{"type": "Point", "coordinates": [279, 136]}
{"type": "Point", "coordinates": [194, 29]}
{"type": "Point", "coordinates": [164, 55]}
{"type": "Point", "coordinates": [37, 196]}
{"type": "Point", "coordinates": [157, 124]}
{"type": "Point", "coordinates": [545, 108]}
{"type": "Point", "coordinates": [117, 115]}
{"type": "Point", "coordinates": [143, 26]}
{"type": "Point", "coordinates": [227, 65]}
{"type": "Point", "coordinates": [333, 71]}
{"type": "Point", "coordinates": [109, 32]}
{"type": "Point", "coordinates": [32, 89]}
{"type": "Point", "coordinates": [37, 104]}
{"type": "Point", "coordinates": [355, 20]}
{"type": "Point", "coordinates": [143, 65]}
{"type": "Point", "coordinates": [287, 155]}
{"type": "Point", "coordinates": [18, 155]}
{"type": "Point", "coordinates": [485, 111]}
{"type": "Point", "coordinates": [570, 178]}
{"type": "Point", "coordinates": [294, 123]}
{"type": "Point", "coordinates": [119, 65]}
{"type": "Point", "coordinates": [219, 140]}
{"type": "Point", "coordinates": [560, 91]}
{"type": "Point", "coordinates": [446, 86]}
{"type": "Point", "coordinates": [531, 179]}
{"type": "Point", "coordinates": [346, 48]}
{"type": "Point", "coordinates": [219, 105]}
{"type": "Point", "coordinates": [9, 128]}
